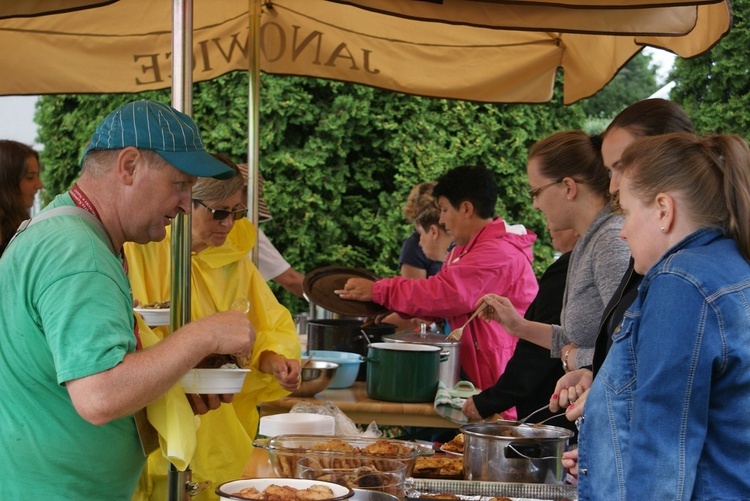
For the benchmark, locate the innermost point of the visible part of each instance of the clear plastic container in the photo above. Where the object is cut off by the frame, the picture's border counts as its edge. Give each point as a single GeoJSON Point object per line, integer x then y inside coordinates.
{"type": "Point", "coordinates": [285, 450]}
{"type": "Point", "coordinates": [375, 474]}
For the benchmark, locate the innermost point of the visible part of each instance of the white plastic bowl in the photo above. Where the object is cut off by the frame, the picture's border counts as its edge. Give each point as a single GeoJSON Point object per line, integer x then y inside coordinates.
{"type": "Point", "coordinates": [214, 381]}
{"type": "Point", "coordinates": [228, 489]}
{"type": "Point", "coordinates": [297, 423]}
{"type": "Point", "coordinates": [154, 316]}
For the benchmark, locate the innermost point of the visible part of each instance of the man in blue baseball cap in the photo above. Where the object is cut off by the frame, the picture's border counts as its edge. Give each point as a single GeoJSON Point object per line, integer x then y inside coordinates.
{"type": "Point", "coordinates": [72, 369]}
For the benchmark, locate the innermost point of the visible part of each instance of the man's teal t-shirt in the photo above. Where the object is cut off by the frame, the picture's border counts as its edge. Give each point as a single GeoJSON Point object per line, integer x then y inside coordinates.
{"type": "Point", "coordinates": [65, 313]}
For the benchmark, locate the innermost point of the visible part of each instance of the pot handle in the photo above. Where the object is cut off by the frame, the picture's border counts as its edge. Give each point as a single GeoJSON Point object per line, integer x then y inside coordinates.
{"type": "Point", "coordinates": [370, 359]}
{"type": "Point", "coordinates": [445, 355]}
{"type": "Point", "coordinates": [515, 450]}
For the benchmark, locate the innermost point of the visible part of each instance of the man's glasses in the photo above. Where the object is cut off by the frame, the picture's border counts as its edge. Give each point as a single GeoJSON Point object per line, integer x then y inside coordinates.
{"type": "Point", "coordinates": [535, 192]}
{"type": "Point", "coordinates": [221, 215]}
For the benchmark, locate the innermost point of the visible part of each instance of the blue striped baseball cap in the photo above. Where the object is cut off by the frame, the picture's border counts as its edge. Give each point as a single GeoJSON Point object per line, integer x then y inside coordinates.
{"type": "Point", "coordinates": [155, 126]}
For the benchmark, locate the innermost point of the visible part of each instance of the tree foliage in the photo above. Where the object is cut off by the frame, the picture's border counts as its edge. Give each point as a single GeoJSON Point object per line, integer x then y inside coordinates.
{"type": "Point", "coordinates": [635, 81]}
{"type": "Point", "coordinates": [338, 159]}
{"type": "Point", "coordinates": [714, 88]}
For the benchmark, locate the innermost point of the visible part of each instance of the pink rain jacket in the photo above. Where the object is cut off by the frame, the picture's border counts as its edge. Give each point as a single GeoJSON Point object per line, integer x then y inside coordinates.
{"type": "Point", "coordinates": [494, 261]}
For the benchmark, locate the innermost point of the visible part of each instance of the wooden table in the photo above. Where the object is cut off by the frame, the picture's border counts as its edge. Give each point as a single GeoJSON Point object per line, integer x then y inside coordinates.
{"type": "Point", "coordinates": [361, 409]}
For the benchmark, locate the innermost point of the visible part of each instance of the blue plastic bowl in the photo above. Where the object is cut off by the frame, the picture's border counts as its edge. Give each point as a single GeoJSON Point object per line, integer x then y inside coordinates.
{"type": "Point", "coordinates": [348, 369]}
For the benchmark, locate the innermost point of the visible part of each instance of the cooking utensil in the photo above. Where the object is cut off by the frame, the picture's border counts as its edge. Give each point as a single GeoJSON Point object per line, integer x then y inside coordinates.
{"type": "Point", "coordinates": [364, 335]}
{"type": "Point", "coordinates": [540, 409]}
{"type": "Point", "coordinates": [402, 372]}
{"type": "Point", "coordinates": [456, 334]}
{"type": "Point", "coordinates": [315, 378]}
{"type": "Point", "coordinates": [449, 372]}
{"type": "Point", "coordinates": [505, 451]}
{"type": "Point", "coordinates": [306, 362]}
{"type": "Point", "coordinates": [349, 364]}
{"type": "Point", "coordinates": [319, 285]}
{"type": "Point", "coordinates": [345, 335]}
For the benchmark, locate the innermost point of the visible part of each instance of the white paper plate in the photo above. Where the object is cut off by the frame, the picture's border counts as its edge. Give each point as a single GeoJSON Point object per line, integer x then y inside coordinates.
{"type": "Point", "coordinates": [154, 316]}
{"type": "Point", "coordinates": [454, 453]}
{"type": "Point", "coordinates": [297, 423]}
{"type": "Point", "coordinates": [214, 381]}
{"type": "Point", "coordinates": [228, 489]}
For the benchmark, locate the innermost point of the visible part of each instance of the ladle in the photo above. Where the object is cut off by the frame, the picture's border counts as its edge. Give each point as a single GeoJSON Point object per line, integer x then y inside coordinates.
{"type": "Point", "coordinates": [367, 338]}
{"type": "Point", "coordinates": [540, 409]}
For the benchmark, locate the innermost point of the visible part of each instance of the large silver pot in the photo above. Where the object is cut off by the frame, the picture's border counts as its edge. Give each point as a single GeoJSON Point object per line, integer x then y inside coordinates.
{"type": "Point", "coordinates": [449, 372]}
{"type": "Point", "coordinates": [506, 451]}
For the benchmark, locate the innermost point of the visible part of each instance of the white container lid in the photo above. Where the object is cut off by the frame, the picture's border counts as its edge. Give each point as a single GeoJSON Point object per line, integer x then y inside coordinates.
{"type": "Point", "coordinates": [296, 423]}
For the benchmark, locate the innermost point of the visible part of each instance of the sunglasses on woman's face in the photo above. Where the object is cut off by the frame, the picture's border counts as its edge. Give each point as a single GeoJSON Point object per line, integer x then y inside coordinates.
{"type": "Point", "coordinates": [221, 215]}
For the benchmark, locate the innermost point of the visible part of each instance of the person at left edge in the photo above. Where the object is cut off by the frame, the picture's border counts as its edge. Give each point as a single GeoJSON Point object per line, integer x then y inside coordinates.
{"type": "Point", "coordinates": [19, 183]}
{"type": "Point", "coordinates": [221, 272]}
{"type": "Point", "coordinates": [72, 374]}
{"type": "Point", "coordinates": [490, 256]}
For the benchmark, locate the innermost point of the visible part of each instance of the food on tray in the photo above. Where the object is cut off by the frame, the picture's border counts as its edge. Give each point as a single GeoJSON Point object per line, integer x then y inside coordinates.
{"type": "Point", "coordinates": [438, 467]}
{"type": "Point", "coordinates": [443, 495]}
{"type": "Point", "coordinates": [158, 305]}
{"type": "Point", "coordinates": [455, 445]}
{"type": "Point", "coordinates": [501, 498]}
{"type": "Point", "coordinates": [286, 493]}
{"type": "Point", "coordinates": [333, 445]}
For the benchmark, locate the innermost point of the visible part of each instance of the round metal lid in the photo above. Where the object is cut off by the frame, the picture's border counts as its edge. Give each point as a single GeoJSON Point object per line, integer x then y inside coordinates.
{"type": "Point", "coordinates": [319, 285]}
{"type": "Point", "coordinates": [432, 338]}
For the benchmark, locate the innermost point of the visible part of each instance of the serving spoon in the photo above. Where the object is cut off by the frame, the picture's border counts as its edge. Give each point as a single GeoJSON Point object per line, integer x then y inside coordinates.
{"type": "Point", "coordinates": [456, 334]}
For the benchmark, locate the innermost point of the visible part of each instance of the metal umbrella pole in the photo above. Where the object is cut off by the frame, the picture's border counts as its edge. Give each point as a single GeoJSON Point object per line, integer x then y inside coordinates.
{"type": "Point", "coordinates": [179, 482]}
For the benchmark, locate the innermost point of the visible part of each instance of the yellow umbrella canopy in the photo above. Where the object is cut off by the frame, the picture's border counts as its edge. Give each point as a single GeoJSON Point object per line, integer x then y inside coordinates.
{"type": "Point", "coordinates": [461, 49]}
{"type": "Point", "coordinates": [44, 7]}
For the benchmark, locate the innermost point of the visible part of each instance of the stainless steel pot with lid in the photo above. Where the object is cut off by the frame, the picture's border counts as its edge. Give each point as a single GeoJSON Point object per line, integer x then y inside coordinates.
{"type": "Point", "coordinates": [449, 372]}
{"type": "Point", "coordinates": [506, 451]}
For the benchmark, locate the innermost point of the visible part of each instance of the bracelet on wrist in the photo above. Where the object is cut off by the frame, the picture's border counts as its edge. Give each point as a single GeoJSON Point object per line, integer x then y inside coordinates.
{"type": "Point", "coordinates": [565, 359]}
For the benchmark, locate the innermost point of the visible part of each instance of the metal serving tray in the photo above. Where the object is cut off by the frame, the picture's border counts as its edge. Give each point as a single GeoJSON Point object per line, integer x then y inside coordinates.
{"type": "Point", "coordinates": [472, 490]}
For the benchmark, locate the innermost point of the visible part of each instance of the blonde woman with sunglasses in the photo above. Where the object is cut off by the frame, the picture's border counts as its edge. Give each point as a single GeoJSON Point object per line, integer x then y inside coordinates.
{"type": "Point", "coordinates": [221, 273]}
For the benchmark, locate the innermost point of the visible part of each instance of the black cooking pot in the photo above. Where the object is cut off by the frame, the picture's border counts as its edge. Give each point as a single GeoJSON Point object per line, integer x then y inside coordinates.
{"type": "Point", "coordinates": [345, 335]}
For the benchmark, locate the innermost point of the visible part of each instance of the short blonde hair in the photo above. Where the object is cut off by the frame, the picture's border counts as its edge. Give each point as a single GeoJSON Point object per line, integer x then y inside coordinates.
{"type": "Point", "coordinates": [419, 198]}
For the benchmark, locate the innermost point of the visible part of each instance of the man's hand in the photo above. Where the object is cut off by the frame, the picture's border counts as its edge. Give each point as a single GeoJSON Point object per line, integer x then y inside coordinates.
{"type": "Point", "coordinates": [201, 404]}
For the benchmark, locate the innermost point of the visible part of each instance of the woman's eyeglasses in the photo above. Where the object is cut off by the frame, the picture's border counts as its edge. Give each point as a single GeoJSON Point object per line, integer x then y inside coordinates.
{"type": "Point", "coordinates": [535, 192]}
{"type": "Point", "coordinates": [221, 215]}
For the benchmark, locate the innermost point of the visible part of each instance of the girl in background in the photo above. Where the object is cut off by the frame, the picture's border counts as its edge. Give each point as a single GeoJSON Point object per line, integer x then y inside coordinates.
{"type": "Point", "coordinates": [19, 183]}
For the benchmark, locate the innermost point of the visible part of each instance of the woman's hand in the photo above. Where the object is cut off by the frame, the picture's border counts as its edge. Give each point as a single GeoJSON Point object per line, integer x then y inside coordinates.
{"type": "Point", "coordinates": [286, 370]}
{"type": "Point", "coordinates": [570, 461]}
{"type": "Point", "coordinates": [359, 289]}
{"type": "Point", "coordinates": [470, 410]}
{"type": "Point", "coordinates": [570, 393]}
{"type": "Point", "coordinates": [502, 311]}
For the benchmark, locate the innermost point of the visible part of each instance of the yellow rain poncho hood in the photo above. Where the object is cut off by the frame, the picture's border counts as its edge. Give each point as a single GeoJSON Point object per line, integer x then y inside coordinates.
{"type": "Point", "coordinates": [219, 276]}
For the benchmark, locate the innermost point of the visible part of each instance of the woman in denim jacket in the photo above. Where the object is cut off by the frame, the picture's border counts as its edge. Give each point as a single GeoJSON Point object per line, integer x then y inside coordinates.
{"type": "Point", "coordinates": [666, 417]}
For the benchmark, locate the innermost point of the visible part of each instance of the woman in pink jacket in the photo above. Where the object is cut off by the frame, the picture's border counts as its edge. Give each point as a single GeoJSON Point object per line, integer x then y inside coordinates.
{"type": "Point", "coordinates": [490, 256]}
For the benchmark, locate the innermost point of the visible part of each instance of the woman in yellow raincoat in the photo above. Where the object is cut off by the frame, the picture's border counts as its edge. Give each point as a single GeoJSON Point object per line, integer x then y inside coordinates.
{"type": "Point", "coordinates": [222, 272]}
